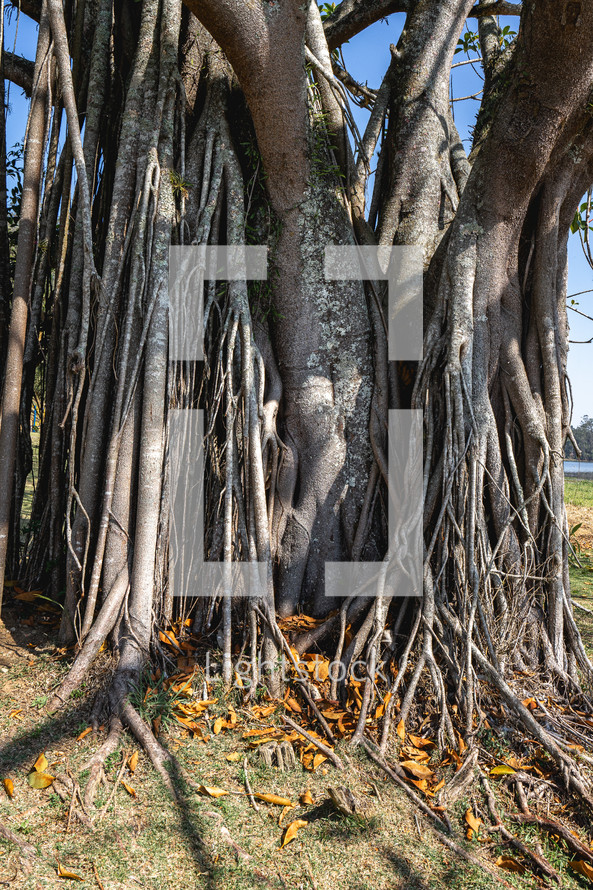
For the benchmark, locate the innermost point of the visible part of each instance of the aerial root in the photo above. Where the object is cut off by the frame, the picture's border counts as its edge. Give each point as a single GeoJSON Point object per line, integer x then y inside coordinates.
{"type": "Point", "coordinates": [538, 862]}
{"type": "Point", "coordinates": [26, 850]}
{"type": "Point", "coordinates": [95, 764]}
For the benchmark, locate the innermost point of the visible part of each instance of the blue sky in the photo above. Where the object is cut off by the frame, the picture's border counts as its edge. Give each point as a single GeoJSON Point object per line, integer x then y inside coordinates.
{"type": "Point", "coordinates": [367, 57]}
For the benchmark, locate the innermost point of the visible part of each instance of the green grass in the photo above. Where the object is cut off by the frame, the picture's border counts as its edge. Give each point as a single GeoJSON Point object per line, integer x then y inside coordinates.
{"type": "Point", "coordinates": [579, 492]}
{"type": "Point", "coordinates": [581, 585]}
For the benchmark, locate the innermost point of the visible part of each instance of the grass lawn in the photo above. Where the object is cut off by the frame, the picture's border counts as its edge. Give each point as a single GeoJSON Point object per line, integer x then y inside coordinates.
{"type": "Point", "coordinates": [579, 508]}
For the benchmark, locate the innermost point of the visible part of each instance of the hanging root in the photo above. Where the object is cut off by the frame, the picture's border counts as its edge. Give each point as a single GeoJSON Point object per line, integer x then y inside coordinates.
{"type": "Point", "coordinates": [97, 761]}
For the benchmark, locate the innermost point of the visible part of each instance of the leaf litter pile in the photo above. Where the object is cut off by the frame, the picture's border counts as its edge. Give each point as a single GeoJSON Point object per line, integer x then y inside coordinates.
{"type": "Point", "coordinates": [518, 802]}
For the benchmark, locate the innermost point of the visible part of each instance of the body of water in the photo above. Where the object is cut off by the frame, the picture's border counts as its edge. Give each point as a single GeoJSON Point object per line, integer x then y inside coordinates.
{"type": "Point", "coordinates": [578, 467]}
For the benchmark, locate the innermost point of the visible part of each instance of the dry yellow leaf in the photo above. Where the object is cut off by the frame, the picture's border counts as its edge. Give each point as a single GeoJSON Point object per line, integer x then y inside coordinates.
{"type": "Point", "coordinates": [84, 733]}
{"type": "Point", "coordinates": [421, 784]}
{"type": "Point", "coordinates": [233, 757]}
{"type": "Point", "coordinates": [583, 868]}
{"type": "Point", "coordinates": [40, 780]}
{"type": "Point", "coordinates": [293, 705]}
{"type": "Point", "coordinates": [306, 798]}
{"type": "Point", "coordinates": [473, 821]}
{"type": "Point", "coordinates": [380, 711]}
{"type": "Point", "coordinates": [263, 731]}
{"type": "Point", "coordinates": [418, 742]}
{"type": "Point", "coordinates": [260, 711]}
{"type": "Point", "coordinates": [285, 810]}
{"type": "Point", "coordinates": [129, 789]}
{"type": "Point", "coordinates": [510, 864]}
{"type": "Point", "coordinates": [9, 787]}
{"type": "Point", "coordinates": [212, 792]}
{"type": "Point", "coordinates": [232, 716]}
{"type": "Point", "coordinates": [15, 713]}
{"type": "Point", "coordinates": [512, 761]}
{"type": "Point", "coordinates": [64, 873]}
{"type": "Point", "coordinates": [41, 764]}
{"type": "Point", "coordinates": [416, 754]}
{"type": "Point", "coordinates": [420, 770]}
{"type": "Point", "coordinates": [530, 703]}
{"type": "Point", "coordinates": [219, 723]}
{"type": "Point", "coordinates": [133, 762]}
{"type": "Point", "coordinates": [318, 760]}
{"type": "Point", "coordinates": [291, 831]}
{"type": "Point", "coordinates": [401, 730]}
{"type": "Point", "coordinates": [275, 799]}
{"type": "Point", "coordinates": [439, 786]}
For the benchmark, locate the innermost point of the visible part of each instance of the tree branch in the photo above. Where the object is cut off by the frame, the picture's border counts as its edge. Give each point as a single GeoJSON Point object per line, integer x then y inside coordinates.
{"type": "Point", "coordinates": [353, 16]}
{"type": "Point", "coordinates": [32, 8]}
{"type": "Point", "coordinates": [266, 51]}
{"type": "Point", "coordinates": [19, 71]}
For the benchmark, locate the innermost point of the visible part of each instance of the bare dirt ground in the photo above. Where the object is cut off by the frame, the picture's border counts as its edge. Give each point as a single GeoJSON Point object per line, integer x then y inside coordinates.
{"type": "Point", "coordinates": [584, 516]}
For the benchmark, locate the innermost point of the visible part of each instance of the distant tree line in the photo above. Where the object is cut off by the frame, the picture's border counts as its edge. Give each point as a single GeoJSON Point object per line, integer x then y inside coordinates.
{"type": "Point", "coordinates": [583, 435]}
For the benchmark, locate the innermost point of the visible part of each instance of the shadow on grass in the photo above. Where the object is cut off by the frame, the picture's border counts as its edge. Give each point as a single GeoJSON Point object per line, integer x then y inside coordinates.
{"type": "Point", "coordinates": [457, 875]}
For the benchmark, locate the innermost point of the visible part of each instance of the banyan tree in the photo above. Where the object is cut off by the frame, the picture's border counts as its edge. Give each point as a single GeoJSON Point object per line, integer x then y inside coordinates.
{"type": "Point", "coordinates": [229, 122]}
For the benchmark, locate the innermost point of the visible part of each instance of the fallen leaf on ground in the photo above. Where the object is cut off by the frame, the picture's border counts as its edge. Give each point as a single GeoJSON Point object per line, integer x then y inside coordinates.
{"type": "Point", "coordinates": [318, 760]}
{"type": "Point", "coordinates": [15, 713]}
{"type": "Point", "coordinates": [291, 831]}
{"type": "Point", "coordinates": [306, 798]}
{"type": "Point", "coordinates": [84, 733]}
{"type": "Point", "coordinates": [401, 730]}
{"type": "Point", "coordinates": [133, 761]}
{"type": "Point", "coordinates": [380, 711]}
{"type": "Point", "coordinates": [473, 822]}
{"type": "Point", "coordinates": [40, 780]}
{"type": "Point", "coordinates": [285, 811]}
{"type": "Point", "coordinates": [9, 787]}
{"type": "Point", "coordinates": [502, 769]}
{"type": "Point", "coordinates": [510, 864]}
{"type": "Point", "coordinates": [275, 799]}
{"type": "Point", "coordinates": [415, 754]}
{"type": "Point", "coordinates": [233, 757]}
{"type": "Point", "coordinates": [41, 764]}
{"type": "Point", "coordinates": [421, 784]}
{"type": "Point", "coordinates": [129, 789]}
{"type": "Point", "coordinates": [293, 705]}
{"type": "Point", "coordinates": [219, 724]}
{"type": "Point", "coordinates": [530, 703]}
{"type": "Point", "coordinates": [213, 792]}
{"type": "Point", "coordinates": [419, 742]}
{"type": "Point", "coordinates": [263, 731]}
{"type": "Point", "coordinates": [582, 867]}
{"type": "Point", "coordinates": [64, 873]}
{"type": "Point", "coordinates": [420, 770]}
